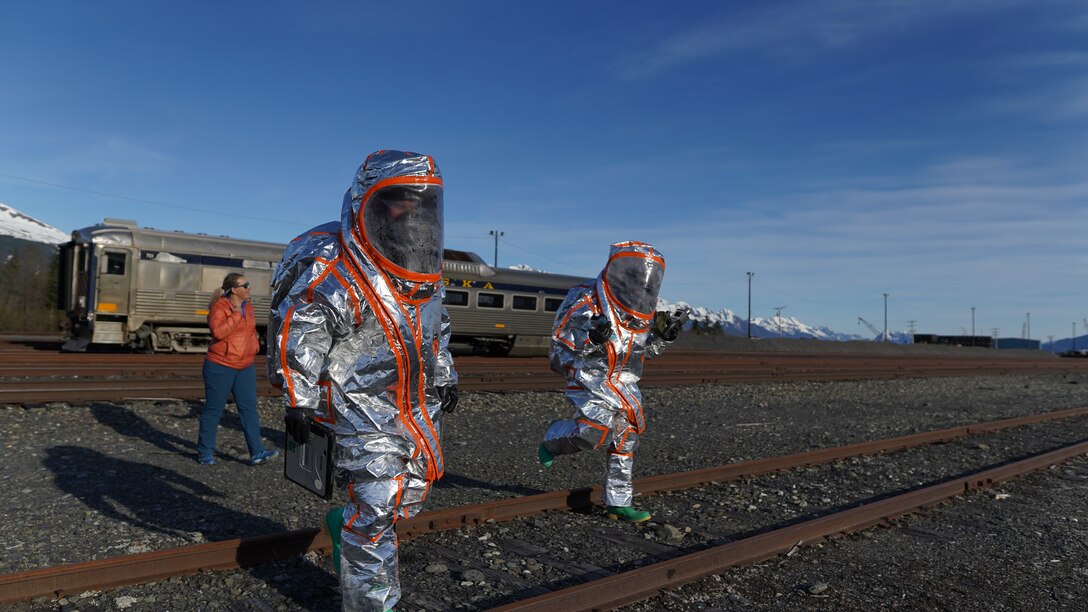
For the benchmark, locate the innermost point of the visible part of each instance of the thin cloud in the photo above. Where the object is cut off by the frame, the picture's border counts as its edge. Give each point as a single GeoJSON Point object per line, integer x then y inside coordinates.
{"type": "Point", "coordinates": [794, 31]}
{"type": "Point", "coordinates": [1031, 61]}
{"type": "Point", "coordinates": [1049, 86]}
{"type": "Point", "coordinates": [1058, 102]}
{"type": "Point", "coordinates": [828, 255]}
{"type": "Point", "coordinates": [67, 156]}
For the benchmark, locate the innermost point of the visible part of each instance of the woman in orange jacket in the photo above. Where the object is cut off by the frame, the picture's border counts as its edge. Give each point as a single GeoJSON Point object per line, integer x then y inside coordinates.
{"type": "Point", "coordinates": [228, 369]}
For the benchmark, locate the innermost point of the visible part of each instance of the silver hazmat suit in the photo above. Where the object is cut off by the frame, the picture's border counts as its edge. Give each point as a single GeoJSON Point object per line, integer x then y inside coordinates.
{"type": "Point", "coordinates": [602, 380]}
{"type": "Point", "coordinates": [357, 339]}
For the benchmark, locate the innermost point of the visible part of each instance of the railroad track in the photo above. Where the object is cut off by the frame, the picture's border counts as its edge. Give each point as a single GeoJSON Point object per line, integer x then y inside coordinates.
{"type": "Point", "coordinates": [589, 585]}
{"type": "Point", "coordinates": [44, 377]}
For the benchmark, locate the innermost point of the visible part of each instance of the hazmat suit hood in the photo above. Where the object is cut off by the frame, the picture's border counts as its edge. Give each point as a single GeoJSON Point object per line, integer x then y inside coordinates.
{"type": "Point", "coordinates": [602, 371]}
{"type": "Point", "coordinates": [632, 279]}
{"type": "Point", "coordinates": [392, 216]}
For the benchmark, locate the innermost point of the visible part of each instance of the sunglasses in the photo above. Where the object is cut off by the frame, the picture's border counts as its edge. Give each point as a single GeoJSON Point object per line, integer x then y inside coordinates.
{"type": "Point", "coordinates": [243, 285]}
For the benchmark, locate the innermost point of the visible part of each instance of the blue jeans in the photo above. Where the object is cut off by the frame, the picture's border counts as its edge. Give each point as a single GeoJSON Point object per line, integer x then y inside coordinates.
{"type": "Point", "coordinates": [220, 381]}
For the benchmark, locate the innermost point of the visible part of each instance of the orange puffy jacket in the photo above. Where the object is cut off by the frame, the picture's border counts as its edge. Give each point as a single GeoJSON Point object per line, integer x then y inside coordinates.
{"type": "Point", "coordinates": [234, 337]}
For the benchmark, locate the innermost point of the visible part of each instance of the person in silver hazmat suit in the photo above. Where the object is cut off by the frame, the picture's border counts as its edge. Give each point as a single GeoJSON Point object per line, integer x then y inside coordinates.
{"type": "Point", "coordinates": [604, 329]}
{"type": "Point", "coordinates": [357, 340]}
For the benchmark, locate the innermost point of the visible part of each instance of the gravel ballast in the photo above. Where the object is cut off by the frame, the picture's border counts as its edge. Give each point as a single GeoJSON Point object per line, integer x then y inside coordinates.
{"type": "Point", "coordinates": [91, 482]}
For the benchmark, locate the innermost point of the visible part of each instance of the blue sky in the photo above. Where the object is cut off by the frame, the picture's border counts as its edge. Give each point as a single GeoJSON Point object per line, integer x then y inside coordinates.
{"type": "Point", "coordinates": [840, 150]}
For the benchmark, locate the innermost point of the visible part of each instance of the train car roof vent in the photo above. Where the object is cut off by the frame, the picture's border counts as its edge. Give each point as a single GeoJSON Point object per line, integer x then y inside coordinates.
{"type": "Point", "coordinates": [464, 267]}
{"type": "Point", "coordinates": [125, 222]}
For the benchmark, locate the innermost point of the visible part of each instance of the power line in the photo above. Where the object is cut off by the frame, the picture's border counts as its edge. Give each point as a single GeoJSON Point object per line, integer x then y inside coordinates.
{"type": "Point", "coordinates": [798, 297]}
{"type": "Point", "coordinates": [511, 244]}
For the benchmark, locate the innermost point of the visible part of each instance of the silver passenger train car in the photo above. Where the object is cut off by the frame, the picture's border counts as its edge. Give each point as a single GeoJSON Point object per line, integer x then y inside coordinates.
{"type": "Point", "coordinates": [148, 289]}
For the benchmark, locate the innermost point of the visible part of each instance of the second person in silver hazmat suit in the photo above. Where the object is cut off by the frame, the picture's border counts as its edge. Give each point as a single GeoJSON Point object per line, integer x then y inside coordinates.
{"type": "Point", "coordinates": [604, 329]}
{"type": "Point", "coordinates": [358, 340]}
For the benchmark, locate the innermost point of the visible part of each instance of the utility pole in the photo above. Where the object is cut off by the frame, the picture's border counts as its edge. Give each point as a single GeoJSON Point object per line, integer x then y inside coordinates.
{"type": "Point", "coordinates": [750, 275]}
{"type": "Point", "coordinates": [497, 234]}
{"type": "Point", "coordinates": [996, 330]}
{"type": "Point", "coordinates": [911, 323]}
{"type": "Point", "coordinates": [885, 318]}
{"type": "Point", "coordinates": [778, 318]}
{"type": "Point", "coordinates": [1074, 349]}
{"type": "Point", "coordinates": [1027, 330]}
{"type": "Point", "coordinates": [972, 321]}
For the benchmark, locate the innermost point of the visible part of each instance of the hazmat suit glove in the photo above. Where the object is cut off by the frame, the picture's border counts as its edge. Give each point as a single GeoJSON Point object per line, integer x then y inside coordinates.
{"type": "Point", "coordinates": [449, 397]}
{"type": "Point", "coordinates": [297, 424]}
{"type": "Point", "coordinates": [667, 325]}
{"type": "Point", "coordinates": [600, 329]}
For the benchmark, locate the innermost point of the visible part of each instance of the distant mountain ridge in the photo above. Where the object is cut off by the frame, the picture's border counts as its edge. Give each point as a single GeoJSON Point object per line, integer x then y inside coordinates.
{"type": "Point", "coordinates": [24, 227]}
{"type": "Point", "coordinates": [729, 323]}
{"type": "Point", "coordinates": [20, 232]}
{"type": "Point", "coordinates": [774, 327]}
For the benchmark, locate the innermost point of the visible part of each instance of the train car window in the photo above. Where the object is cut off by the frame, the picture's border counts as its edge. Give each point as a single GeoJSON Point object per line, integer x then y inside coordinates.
{"type": "Point", "coordinates": [523, 302]}
{"type": "Point", "coordinates": [552, 304]}
{"type": "Point", "coordinates": [489, 300]}
{"type": "Point", "coordinates": [455, 298]}
{"type": "Point", "coordinates": [115, 263]}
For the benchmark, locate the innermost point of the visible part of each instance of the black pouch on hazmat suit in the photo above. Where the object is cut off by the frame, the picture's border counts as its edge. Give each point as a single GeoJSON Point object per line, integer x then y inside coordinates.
{"type": "Point", "coordinates": [309, 465]}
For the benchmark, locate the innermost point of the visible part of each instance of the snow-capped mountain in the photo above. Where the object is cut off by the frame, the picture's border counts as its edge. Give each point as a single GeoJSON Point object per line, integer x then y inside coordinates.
{"type": "Point", "coordinates": [24, 227]}
{"type": "Point", "coordinates": [774, 327]}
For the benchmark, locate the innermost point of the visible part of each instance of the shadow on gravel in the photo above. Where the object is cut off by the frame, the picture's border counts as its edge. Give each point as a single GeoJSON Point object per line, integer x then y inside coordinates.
{"type": "Point", "coordinates": [147, 496]}
{"type": "Point", "coordinates": [456, 481]}
{"type": "Point", "coordinates": [129, 424]}
{"type": "Point", "coordinates": [158, 500]}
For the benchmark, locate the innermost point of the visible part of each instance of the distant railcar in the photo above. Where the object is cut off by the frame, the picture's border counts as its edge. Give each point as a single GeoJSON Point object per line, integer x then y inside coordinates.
{"type": "Point", "coordinates": [500, 310]}
{"type": "Point", "coordinates": [148, 289]}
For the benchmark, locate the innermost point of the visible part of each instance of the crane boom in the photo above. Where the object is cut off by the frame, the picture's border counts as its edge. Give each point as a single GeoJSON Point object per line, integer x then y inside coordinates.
{"type": "Point", "coordinates": [879, 334]}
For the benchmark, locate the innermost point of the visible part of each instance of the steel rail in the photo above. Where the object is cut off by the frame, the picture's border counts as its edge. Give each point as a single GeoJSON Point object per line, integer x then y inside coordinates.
{"type": "Point", "coordinates": [184, 383]}
{"type": "Point", "coordinates": [142, 568]}
{"type": "Point", "coordinates": [78, 391]}
{"type": "Point", "coordinates": [229, 554]}
{"type": "Point", "coordinates": [648, 581]}
{"type": "Point", "coordinates": [518, 507]}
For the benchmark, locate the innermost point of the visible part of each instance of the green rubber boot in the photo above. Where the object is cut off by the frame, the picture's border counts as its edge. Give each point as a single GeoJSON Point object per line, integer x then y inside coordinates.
{"type": "Point", "coordinates": [628, 513]}
{"type": "Point", "coordinates": [334, 522]}
{"type": "Point", "coordinates": [545, 456]}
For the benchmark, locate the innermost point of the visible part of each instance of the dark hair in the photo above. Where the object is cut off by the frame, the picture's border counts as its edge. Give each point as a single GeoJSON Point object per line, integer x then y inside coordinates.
{"type": "Point", "coordinates": [230, 281]}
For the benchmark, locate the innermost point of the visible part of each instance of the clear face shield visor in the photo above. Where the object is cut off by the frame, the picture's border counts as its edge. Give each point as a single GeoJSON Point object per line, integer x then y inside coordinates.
{"type": "Point", "coordinates": [404, 224]}
{"type": "Point", "coordinates": [634, 282]}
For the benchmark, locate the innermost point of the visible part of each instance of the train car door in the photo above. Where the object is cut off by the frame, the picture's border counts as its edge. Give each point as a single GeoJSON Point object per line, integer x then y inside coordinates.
{"type": "Point", "coordinates": [73, 281]}
{"type": "Point", "coordinates": [114, 272]}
